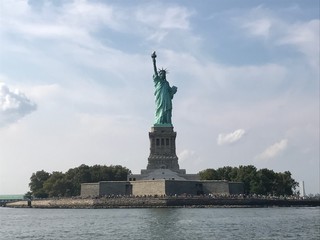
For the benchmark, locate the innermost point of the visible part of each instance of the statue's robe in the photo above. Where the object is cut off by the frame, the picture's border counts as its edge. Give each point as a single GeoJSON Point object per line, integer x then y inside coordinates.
{"type": "Point", "coordinates": [163, 98]}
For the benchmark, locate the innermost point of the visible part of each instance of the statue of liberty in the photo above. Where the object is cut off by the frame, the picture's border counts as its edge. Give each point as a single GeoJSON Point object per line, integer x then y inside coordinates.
{"type": "Point", "coordinates": [163, 96]}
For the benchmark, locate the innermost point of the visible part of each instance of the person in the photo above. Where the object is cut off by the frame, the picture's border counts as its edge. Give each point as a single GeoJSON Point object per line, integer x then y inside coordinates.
{"type": "Point", "coordinates": [163, 95]}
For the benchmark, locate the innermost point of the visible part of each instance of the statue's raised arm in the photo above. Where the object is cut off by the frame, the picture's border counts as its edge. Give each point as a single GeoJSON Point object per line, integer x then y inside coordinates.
{"type": "Point", "coordinates": [153, 56]}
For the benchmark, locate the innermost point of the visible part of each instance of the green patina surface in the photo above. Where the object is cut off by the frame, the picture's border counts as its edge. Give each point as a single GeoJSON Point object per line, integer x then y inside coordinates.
{"type": "Point", "coordinates": [163, 96]}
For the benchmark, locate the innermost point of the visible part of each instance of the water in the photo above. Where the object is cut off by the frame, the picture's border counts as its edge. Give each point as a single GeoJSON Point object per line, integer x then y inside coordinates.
{"type": "Point", "coordinates": [156, 224]}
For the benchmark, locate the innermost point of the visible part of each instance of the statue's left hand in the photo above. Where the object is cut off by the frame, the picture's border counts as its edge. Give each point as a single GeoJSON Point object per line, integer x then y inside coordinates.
{"type": "Point", "coordinates": [174, 89]}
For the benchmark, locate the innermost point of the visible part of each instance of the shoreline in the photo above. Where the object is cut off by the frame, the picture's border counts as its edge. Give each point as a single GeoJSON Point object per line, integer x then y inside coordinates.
{"type": "Point", "coordinates": [161, 202]}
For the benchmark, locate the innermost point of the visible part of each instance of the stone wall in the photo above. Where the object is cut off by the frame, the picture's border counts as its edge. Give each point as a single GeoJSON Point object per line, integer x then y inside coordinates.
{"type": "Point", "coordinates": [148, 187]}
{"type": "Point", "coordinates": [182, 187]}
{"type": "Point", "coordinates": [115, 188]}
{"type": "Point", "coordinates": [236, 188]}
{"type": "Point", "coordinates": [160, 187]}
{"type": "Point", "coordinates": [90, 189]}
{"type": "Point", "coordinates": [215, 187]}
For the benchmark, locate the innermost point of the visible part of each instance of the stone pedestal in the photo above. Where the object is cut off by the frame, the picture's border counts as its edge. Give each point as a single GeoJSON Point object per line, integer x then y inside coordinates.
{"type": "Point", "coordinates": [163, 149]}
{"type": "Point", "coordinates": [163, 160]}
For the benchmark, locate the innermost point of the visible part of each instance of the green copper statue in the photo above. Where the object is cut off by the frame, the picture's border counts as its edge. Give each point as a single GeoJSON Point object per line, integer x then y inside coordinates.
{"type": "Point", "coordinates": [163, 96]}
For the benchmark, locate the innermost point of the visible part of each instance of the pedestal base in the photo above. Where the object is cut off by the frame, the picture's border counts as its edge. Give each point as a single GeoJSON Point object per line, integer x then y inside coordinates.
{"type": "Point", "coordinates": [163, 149]}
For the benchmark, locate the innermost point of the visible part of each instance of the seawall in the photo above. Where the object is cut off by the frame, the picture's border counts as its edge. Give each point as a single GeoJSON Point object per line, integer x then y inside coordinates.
{"type": "Point", "coordinates": [160, 202]}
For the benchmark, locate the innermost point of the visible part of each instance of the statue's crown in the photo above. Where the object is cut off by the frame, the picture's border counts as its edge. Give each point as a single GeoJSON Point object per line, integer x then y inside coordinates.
{"type": "Point", "coordinates": [162, 70]}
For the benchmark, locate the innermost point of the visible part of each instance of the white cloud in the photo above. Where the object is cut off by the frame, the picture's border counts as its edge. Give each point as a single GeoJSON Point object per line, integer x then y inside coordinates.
{"type": "Point", "coordinates": [160, 22]}
{"type": "Point", "coordinates": [13, 105]}
{"type": "Point", "coordinates": [73, 22]}
{"type": "Point", "coordinates": [260, 27]}
{"type": "Point", "coordinates": [259, 22]}
{"type": "Point", "coordinates": [186, 155]}
{"type": "Point", "coordinates": [90, 14]}
{"type": "Point", "coordinates": [302, 35]}
{"type": "Point", "coordinates": [165, 18]}
{"type": "Point", "coordinates": [273, 150]}
{"type": "Point", "coordinates": [190, 160]}
{"type": "Point", "coordinates": [227, 138]}
{"type": "Point", "coordinates": [42, 92]}
{"type": "Point", "coordinates": [305, 37]}
{"type": "Point", "coordinates": [176, 17]}
{"type": "Point", "coordinates": [78, 20]}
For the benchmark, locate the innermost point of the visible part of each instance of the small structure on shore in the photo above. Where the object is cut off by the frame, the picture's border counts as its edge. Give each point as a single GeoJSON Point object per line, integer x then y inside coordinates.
{"type": "Point", "coordinates": [163, 175]}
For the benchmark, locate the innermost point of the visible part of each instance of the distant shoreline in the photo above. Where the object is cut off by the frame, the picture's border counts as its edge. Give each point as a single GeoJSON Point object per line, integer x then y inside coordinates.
{"type": "Point", "coordinates": [162, 202]}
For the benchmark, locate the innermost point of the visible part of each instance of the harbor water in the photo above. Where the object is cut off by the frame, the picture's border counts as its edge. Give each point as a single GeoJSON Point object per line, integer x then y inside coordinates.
{"type": "Point", "coordinates": [161, 223]}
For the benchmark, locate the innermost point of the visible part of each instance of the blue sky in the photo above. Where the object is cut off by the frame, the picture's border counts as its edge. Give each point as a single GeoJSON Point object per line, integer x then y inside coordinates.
{"type": "Point", "coordinates": [76, 85]}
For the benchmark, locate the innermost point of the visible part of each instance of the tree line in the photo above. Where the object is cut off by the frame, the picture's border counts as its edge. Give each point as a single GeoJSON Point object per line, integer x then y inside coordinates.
{"type": "Point", "coordinates": [263, 181]}
{"type": "Point", "coordinates": [58, 184]}
{"type": "Point", "coordinates": [44, 184]}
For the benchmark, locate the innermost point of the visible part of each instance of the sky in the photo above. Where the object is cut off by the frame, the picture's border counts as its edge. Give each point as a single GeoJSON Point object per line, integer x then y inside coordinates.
{"type": "Point", "coordinates": [76, 85]}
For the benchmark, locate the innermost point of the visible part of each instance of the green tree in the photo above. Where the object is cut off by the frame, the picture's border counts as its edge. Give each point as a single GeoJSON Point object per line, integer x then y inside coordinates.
{"type": "Point", "coordinates": [36, 184]}
{"type": "Point", "coordinates": [247, 175]}
{"type": "Point", "coordinates": [225, 173]}
{"type": "Point", "coordinates": [56, 185]}
{"type": "Point", "coordinates": [96, 173]}
{"type": "Point", "coordinates": [208, 174]}
{"type": "Point", "coordinates": [44, 184]}
{"type": "Point", "coordinates": [263, 181]}
{"type": "Point", "coordinates": [285, 184]}
{"type": "Point", "coordinates": [119, 173]}
{"type": "Point", "coordinates": [27, 195]}
{"type": "Point", "coordinates": [76, 176]}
